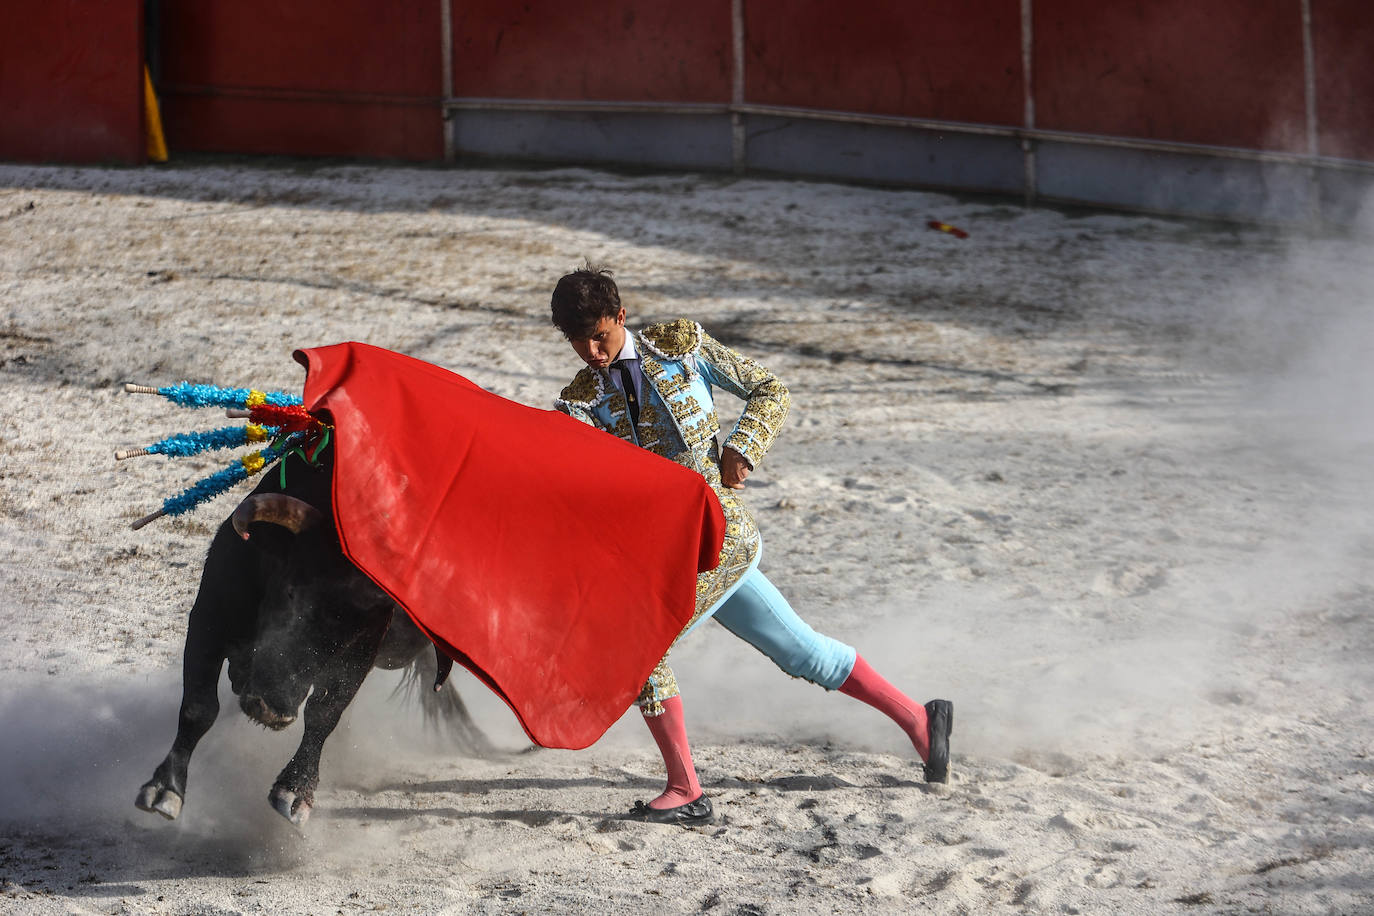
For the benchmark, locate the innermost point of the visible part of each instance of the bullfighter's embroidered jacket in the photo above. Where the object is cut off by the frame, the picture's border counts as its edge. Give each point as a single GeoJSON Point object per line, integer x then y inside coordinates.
{"type": "Point", "coordinates": [680, 363]}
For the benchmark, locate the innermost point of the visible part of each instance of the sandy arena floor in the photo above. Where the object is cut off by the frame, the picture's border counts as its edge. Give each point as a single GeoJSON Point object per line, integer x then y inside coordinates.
{"type": "Point", "coordinates": [1102, 480]}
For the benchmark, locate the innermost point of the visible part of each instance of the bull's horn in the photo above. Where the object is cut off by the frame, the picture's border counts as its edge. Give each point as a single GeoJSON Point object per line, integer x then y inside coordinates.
{"type": "Point", "coordinates": [131, 388]}
{"type": "Point", "coordinates": [237, 413]}
{"type": "Point", "coordinates": [126, 453]}
{"type": "Point", "coordinates": [295, 515]}
{"type": "Point", "coordinates": [445, 665]}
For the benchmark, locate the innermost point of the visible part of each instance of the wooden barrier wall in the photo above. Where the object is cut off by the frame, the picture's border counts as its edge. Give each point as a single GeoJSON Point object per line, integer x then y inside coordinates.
{"type": "Point", "coordinates": [942, 61]}
{"type": "Point", "coordinates": [1219, 72]}
{"type": "Point", "coordinates": [302, 77]}
{"type": "Point", "coordinates": [616, 50]}
{"type": "Point", "coordinates": [71, 81]}
{"type": "Point", "coordinates": [1343, 46]}
{"type": "Point", "coordinates": [375, 78]}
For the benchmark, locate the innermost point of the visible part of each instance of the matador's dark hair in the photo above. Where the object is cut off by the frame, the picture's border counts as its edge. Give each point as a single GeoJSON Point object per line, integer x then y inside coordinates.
{"type": "Point", "coordinates": [582, 298]}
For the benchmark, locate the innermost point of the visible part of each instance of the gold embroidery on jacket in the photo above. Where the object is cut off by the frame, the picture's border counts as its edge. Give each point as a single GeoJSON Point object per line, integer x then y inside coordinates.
{"type": "Point", "coordinates": [669, 442]}
{"type": "Point", "coordinates": [673, 339]}
{"type": "Point", "coordinates": [661, 685]}
{"type": "Point", "coordinates": [767, 397]}
{"type": "Point", "coordinates": [585, 388]}
{"type": "Point", "coordinates": [651, 430]}
{"type": "Point", "coordinates": [620, 414]}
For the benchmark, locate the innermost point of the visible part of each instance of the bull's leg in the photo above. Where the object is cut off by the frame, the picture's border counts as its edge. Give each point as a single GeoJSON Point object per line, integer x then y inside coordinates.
{"type": "Point", "coordinates": [293, 794]}
{"type": "Point", "coordinates": [222, 615]}
{"type": "Point", "coordinates": [165, 792]}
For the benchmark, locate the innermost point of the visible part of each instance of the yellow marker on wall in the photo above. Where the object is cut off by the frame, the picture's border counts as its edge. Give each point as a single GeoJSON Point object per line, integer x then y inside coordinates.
{"type": "Point", "coordinates": [156, 144]}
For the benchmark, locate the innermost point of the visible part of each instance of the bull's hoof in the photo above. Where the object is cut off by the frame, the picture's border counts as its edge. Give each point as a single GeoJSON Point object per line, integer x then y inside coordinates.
{"type": "Point", "coordinates": [159, 800]}
{"type": "Point", "coordinates": [290, 806]}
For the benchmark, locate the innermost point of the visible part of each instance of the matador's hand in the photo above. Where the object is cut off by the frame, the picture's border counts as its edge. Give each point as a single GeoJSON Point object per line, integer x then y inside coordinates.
{"type": "Point", "coordinates": [733, 468]}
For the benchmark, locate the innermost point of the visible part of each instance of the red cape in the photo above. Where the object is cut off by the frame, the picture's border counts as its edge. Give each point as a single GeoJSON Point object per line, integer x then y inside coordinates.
{"type": "Point", "coordinates": [554, 561]}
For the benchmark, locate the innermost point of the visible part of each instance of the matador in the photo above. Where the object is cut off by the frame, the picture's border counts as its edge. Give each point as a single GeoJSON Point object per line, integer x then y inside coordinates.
{"type": "Point", "coordinates": [654, 389]}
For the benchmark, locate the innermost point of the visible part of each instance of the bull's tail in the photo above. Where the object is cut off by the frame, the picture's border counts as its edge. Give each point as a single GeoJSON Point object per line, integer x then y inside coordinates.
{"type": "Point", "coordinates": [444, 709]}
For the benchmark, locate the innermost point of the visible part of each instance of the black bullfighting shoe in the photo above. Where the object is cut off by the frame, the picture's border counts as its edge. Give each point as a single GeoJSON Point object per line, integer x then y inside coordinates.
{"type": "Point", "coordinates": [695, 812]}
{"type": "Point", "coordinates": [939, 726]}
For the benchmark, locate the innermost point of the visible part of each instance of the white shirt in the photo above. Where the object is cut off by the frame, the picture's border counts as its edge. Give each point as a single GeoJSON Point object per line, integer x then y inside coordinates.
{"type": "Point", "coordinates": [630, 357]}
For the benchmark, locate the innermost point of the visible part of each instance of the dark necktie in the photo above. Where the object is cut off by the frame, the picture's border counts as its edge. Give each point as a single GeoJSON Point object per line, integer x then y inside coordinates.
{"type": "Point", "coordinates": [630, 398]}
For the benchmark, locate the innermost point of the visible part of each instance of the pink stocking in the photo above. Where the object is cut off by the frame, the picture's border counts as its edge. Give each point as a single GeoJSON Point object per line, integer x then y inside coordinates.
{"type": "Point", "coordinates": [867, 685]}
{"type": "Point", "coordinates": [670, 733]}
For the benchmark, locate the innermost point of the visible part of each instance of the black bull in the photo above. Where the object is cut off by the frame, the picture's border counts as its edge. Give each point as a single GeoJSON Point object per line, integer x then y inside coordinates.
{"type": "Point", "coordinates": [279, 601]}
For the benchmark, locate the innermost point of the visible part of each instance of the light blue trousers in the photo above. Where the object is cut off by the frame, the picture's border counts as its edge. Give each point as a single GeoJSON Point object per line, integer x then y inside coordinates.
{"type": "Point", "coordinates": [758, 614]}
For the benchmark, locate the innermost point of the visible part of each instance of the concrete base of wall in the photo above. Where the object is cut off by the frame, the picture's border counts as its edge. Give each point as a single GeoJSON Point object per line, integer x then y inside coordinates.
{"type": "Point", "coordinates": [1179, 183]}
{"type": "Point", "coordinates": [1189, 185]}
{"type": "Point", "coordinates": [886, 155]}
{"type": "Point", "coordinates": [656, 140]}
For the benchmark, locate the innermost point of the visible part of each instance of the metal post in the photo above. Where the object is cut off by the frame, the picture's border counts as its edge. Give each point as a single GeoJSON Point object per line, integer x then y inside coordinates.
{"type": "Point", "coordinates": [739, 152]}
{"type": "Point", "coordinates": [1309, 73]}
{"type": "Point", "coordinates": [1028, 100]}
{"type": "Point", "coordinates": [446, 91]}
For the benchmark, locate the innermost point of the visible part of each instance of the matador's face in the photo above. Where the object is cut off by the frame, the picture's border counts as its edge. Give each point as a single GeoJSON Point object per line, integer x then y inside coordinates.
{"type": "Point", "coordinates": [604, 343]}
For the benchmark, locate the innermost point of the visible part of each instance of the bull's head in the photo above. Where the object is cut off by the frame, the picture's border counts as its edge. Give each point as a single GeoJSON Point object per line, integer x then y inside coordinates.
{"type": "Point", "coordinates": [319, 613]}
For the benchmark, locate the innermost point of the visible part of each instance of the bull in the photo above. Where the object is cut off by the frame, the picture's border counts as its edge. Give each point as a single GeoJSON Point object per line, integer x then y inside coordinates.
{"type": "Point", "coordinates": [297, 623]}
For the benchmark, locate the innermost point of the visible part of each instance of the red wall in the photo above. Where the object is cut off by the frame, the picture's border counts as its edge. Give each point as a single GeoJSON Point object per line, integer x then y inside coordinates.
{"type": "Point", "coordinates": [344, 78]}
{"type": "Point", "coordinates": [71, 81]}
{"type": "Point", "coordinates": [364, 77]}
{"type": "Point", "coordinates": [1223, 72]}
{"type": "Point", "coordinates": [617, 50]}
{"type": "Point", "coordinates": [913, 58]}
{"type": "Point", "coordinates": [1343, 49]}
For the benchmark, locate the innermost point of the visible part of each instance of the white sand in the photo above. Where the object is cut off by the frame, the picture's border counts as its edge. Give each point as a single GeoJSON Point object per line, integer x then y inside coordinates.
{"type": "Point", "coordinates": [1102, 480]}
